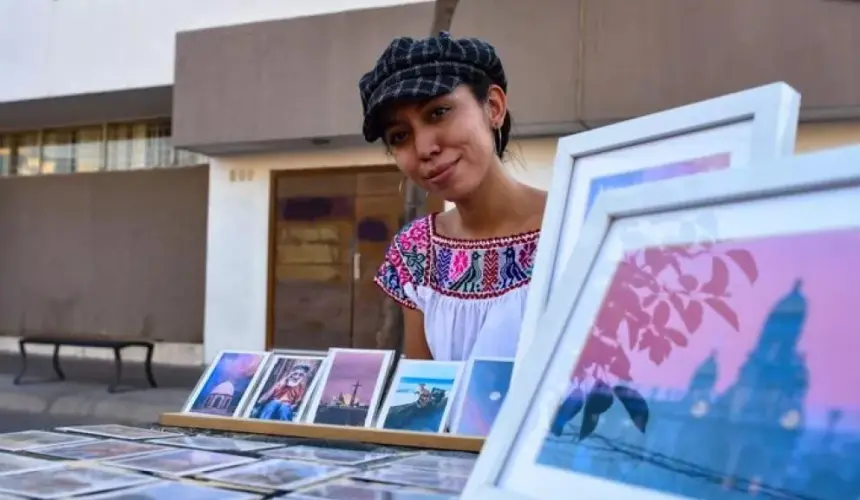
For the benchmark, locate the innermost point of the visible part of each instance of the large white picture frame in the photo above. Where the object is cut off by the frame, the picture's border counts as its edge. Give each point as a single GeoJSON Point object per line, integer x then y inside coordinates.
{"type": "Point", "coordinates": [752, 126]}
{"type": "Point", "coordinates": [771, 213]}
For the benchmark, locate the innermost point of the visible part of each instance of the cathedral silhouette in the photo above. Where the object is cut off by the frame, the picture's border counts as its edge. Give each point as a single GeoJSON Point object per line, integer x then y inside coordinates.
{"type": "Point", "coordinates": [751, 440]}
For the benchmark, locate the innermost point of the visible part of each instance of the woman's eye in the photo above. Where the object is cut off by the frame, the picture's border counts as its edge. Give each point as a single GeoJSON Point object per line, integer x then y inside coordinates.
{"type": "Point", "coordinates": [396, 138]}
{"type": "Point", "coordinates": [438, 112]}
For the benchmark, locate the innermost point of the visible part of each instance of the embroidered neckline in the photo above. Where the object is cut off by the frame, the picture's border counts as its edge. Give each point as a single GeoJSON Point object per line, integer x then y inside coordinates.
{"type": "Point", "coordinates": [496, 242]}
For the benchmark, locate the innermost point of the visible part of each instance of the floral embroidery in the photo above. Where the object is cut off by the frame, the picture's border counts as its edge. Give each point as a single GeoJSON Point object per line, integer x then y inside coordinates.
{"type": "Point", "coordinates": [475, 269]}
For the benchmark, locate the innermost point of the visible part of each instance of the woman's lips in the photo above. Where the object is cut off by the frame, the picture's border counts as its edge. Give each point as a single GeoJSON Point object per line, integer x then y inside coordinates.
{"type": "Point", "coordinates": [441, 173]}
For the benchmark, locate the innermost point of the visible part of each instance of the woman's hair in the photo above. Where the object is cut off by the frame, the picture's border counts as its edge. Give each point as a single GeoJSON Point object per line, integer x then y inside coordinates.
{"type": "Point", "coordinates": [481, 91]}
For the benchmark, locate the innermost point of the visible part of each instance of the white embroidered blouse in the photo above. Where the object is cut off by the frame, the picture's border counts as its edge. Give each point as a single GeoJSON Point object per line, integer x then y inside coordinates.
{"type": "Point", "coordinates": [472, 292]}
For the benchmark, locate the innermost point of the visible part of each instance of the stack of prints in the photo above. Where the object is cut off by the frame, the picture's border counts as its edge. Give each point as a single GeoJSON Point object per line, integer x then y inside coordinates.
{"type": "Point", "coordinates": [111, 462]}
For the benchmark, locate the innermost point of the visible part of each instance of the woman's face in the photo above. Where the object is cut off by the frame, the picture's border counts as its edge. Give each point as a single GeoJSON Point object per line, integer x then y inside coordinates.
{"type": "Point", "coordinates": [446, 145]}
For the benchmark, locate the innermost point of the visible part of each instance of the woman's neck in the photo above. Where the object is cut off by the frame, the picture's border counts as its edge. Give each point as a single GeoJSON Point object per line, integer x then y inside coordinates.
{"type": "Point", "coordinates": [499, 206]}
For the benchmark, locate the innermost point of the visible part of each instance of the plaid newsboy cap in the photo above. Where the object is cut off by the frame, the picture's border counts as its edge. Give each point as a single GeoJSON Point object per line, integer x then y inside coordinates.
{"type": "Point", "coordinates": [424, 69]}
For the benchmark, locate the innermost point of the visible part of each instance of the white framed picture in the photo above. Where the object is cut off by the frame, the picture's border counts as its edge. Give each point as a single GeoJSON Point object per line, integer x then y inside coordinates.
{"type": "Point", "coordinates": [485, 385]}
{"type": "Point", "coordinates": [350, 387]}
{"type": "Point", "coordinates": [285, 388]}
{"type": "Point", "coordinates": [703, 347]}
{"type": "Point", "coordinates": [227, 384]}
{"type": "Point", "coordinates": [752, 126]}
{"type": "Point", "coordinates": [421, 396]}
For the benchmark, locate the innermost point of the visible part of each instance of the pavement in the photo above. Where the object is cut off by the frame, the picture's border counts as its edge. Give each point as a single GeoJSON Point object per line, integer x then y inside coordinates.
{"type": "Point", "coordinates": [40, 402]}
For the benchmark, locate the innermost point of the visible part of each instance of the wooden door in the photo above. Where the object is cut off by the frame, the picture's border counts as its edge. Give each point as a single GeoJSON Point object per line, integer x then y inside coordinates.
{"type": "Point", "coordinates": [331, 234]}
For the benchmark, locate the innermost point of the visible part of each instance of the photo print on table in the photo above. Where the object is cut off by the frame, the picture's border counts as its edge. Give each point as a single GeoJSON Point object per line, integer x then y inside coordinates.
{"type": "Point", "coordinates": [225, 387]}
{"type": "Point", "coordinates": [421, 396]}
{"type": "Point", "coordinates": [361, 490]}
{"type": "Point", "coordinates": [15, 463]}
{"type": "Point", "coordinates": [285, 388]}
{"type": "Point", "coordinates": [350, 387]}
{"type": "Point", "coordinates": [486, 383]}
{"type": "Point", "coordinates": [180, 462]}
{"type": "Point", "coordinates": [419, 478]}
{"type": "Point", "coordinates": [216, 443]}
{"type": "Point", "coordinates": [337, 456]}
{"type": "Point", "coordinates": [170, 490]}
{"type": "Point", "coordinates": [740, 359]}
{"type": "Point", "coordinates": [100, 450]}
{"type": "Point", "coordinates": [31, 440]}
{"type": "Point", "coordinates": [458, 466]}
{"type": "Point", "coordinates": [67, 481]}
{"type": "Point", "coordinates": [117, 431]}
{"type": "Point", "coordinates": [274, 474]}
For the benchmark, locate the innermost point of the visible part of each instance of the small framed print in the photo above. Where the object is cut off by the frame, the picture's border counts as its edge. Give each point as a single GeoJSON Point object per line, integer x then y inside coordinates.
{"type": "Point", "coordinates": [226, 386]}
{"type": "Point", "coordinates": [350, 387]}
{"type": "Point", "coordinates": [285, 388]}
{"type": "Point", "coordinates": [421, 396]}
{"type": "Point", "coordinates": [749, 127]}
{"type": "Point", "coordinates": [486, 384]}
{"type": "Point", "coordinates": [704, 346]}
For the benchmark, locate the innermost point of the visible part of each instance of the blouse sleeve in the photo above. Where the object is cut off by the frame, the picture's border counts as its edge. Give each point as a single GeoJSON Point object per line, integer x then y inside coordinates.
{"type": "Point", "coordinates": [393, 276]}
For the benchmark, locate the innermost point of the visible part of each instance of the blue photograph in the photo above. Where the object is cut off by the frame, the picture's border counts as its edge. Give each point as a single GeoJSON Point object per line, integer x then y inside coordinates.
{"type": "Point", "coordinates": [421, 395]}
{"type": "Point", "coordinates": [486, 388]}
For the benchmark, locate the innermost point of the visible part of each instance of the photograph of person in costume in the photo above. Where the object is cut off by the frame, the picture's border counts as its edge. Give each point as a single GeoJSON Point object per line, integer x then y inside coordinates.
{"type": "Point", "coordinates": [439, 105]}
{"type": "Point", "coordinates": [285, 388]}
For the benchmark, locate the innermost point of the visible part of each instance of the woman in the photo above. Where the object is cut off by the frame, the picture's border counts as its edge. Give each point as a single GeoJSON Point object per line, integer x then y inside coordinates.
{"type": "Point", "coordinates": [439, 105]}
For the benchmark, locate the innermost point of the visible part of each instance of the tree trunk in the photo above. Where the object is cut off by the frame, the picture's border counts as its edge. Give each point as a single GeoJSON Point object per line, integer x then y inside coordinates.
{"type": "Point", "coordinates": [391, 334]}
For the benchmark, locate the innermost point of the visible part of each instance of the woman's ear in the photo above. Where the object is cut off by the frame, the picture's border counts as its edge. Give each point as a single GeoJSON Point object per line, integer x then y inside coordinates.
{"type": "Point", "coordinates": [497, 105]}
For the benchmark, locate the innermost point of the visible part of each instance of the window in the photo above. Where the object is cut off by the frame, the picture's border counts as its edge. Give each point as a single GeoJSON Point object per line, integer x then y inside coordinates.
{"type": "Point", "coordinates": [117, 146]}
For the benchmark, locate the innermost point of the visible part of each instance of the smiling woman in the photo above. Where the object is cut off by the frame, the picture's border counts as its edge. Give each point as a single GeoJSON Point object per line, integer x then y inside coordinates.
{"type": "Point", "coordinates": [440, 106]}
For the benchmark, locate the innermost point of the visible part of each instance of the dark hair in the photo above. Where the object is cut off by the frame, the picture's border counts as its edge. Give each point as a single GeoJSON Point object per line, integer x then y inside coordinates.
{"type": "Point", "coordinates": [481, 91]}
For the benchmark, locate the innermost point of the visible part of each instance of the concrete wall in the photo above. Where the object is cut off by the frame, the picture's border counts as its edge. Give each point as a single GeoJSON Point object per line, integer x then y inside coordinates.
{"type": "Point", "coordinates": [121, 253]}
{"type": "Point", "coordinates": [67, 47]}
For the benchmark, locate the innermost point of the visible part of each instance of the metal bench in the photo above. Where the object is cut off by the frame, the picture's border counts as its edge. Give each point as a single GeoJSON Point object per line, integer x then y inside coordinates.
{"type": "Point", "coordinates": [86, 341]}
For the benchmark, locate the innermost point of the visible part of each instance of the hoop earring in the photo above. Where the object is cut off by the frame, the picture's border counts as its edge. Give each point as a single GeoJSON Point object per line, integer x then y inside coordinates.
{"type": "Point", "coordinates": [498, 138]}
{"type": "Point", "coordinates": [400, 187]}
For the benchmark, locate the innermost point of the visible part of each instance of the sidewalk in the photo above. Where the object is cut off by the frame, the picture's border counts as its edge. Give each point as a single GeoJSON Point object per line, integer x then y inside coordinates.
{"type": "Point", "coordinates": [83, 398]}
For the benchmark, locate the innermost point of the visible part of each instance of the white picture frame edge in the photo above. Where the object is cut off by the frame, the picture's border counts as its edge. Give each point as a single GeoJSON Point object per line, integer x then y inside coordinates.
{"type": "Point", "coordinates": [377, 391]}
{"type": "Point", "coordinates": [818, 171]}
{"type": "Point", "coordinates": [270, 366]}
{"type": "Point", "coordinates": [252, 384]}
{"type": "Point", "coordinates": [467, 376]}
{"type": "Point", "coordinates": [774, 110]}
{"type": "Point", "coordinates": [446, 414]}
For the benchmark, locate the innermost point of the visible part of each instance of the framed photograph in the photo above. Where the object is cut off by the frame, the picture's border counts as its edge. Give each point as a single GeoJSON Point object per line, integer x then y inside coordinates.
{"type": "Point", "coordinates": [14, 463]}
{"type": "Point", "coordinates": [359, 490]}
{"type": "Point", "coordinates": [336, 456]}
{"type": "Point", "coordinates": [31, 440]}
{"type": "Point", "coordinates": [68, 481]}
{"type": "Point", "coordinates": [178, 463]}
{"type": "Point", "coordinates": [216, 443]}
{"type": "Point", "coordinates": [486, 383]}
{"type": "Point", "coordinates": [227, 384]}
{"type": "Point", "coordinates": [350, 387]}
{"type": "Point", "coordinates": [736, 130]}
{"type": "Point", "coordinates": [301, 353]}
{"type": "Point", "coordinates": [703, 348]}
{"type": "Point", "coordinates": [100, 450]}
{"type": "Point", "coordinates": [165, 490]}
{"type": "Point", "coordinates": [117, 431]}
{"type": "Point", "coordinates": [285, 388]}
{"type": "Point", "coordinates": [421, 396]}
{"type": "Point", "coordinates": [277, 475]}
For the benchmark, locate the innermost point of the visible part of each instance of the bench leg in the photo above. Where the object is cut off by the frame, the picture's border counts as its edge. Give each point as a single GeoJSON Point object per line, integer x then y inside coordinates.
{"type": "Point", "coordinates": [147, 365]}
{"type": "Point", "coordinates": [23, 369]}
{"type": "Point", "coordinates": [117, 360]}
{"type": "Point", "coordinates": [56, 363]}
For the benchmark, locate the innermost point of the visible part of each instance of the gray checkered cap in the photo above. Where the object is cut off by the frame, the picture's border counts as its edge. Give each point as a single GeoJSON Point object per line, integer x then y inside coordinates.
{"type": "Point", "coordinates": [424, 69]}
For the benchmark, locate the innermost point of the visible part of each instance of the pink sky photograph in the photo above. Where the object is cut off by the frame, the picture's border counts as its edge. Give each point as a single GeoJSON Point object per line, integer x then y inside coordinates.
{"type": "Point", "coordinates": [828, 264]}
{"type": "Point", "coordinates": [349, 367]}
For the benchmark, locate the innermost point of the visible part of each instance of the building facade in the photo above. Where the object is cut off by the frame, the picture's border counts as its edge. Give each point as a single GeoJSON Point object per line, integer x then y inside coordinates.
{"type": "Point", "coordinates": [192, 171]}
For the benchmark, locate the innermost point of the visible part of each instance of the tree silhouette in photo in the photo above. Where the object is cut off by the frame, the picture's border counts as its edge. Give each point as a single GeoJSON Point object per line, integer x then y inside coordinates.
{"type": "Point", "coordinates": [656, 300]}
